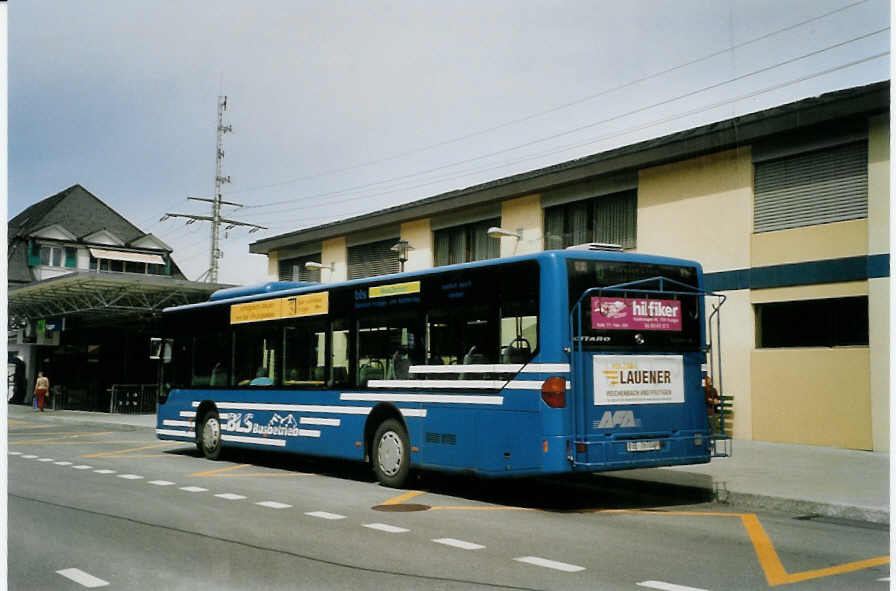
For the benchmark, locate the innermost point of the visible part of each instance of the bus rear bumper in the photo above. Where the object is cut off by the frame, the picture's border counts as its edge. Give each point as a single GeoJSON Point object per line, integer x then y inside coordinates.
{"type": "Point", "coordinates": [645, 452]}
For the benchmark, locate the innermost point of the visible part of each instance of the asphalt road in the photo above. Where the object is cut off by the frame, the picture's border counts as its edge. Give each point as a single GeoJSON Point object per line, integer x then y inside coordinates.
{"type": "Point", "coordinates": [110, 505]}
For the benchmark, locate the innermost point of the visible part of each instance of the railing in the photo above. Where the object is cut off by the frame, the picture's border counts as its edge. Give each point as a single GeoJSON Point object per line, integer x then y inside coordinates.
{"type": "Point", "coordinates": [132, 399]}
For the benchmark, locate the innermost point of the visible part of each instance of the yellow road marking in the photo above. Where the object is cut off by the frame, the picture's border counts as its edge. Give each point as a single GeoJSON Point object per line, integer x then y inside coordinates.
{"type": "Point", "coordinates": [56, 439]}
{"type": "Point", "coordinates": [119, 452]}
{"type": "Point", "coordinates": [220, 470]}
{"type": "Point", "coordinates": [471, 508]}
{"type": "Point", "coordinates": [400, 499]}
{"type": "Point", "coordinates": [775, 573]}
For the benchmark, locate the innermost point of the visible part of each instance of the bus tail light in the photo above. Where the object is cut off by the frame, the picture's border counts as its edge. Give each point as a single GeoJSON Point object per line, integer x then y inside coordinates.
{"type": "Point", "coordinates": [553, 392]}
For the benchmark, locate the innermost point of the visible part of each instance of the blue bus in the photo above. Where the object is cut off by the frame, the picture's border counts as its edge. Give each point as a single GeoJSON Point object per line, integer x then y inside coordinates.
{"type": "Point", "coordinates": [550, 363]}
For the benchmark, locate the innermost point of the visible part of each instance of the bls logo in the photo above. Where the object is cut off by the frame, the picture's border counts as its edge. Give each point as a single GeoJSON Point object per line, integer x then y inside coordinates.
{"type": "Point", "coordinates": [620, 418]}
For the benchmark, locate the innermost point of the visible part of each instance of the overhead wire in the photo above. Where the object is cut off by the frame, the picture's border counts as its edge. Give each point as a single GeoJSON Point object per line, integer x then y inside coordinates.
{"type": "Point", "coordinates": [552, 109]}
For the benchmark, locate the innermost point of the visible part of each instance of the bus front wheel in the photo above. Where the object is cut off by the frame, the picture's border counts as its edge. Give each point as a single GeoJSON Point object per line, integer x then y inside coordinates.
{"type": "Point", "coordinates": [391, 454]}
{"type": "Point", "coordinates": [209, 436]}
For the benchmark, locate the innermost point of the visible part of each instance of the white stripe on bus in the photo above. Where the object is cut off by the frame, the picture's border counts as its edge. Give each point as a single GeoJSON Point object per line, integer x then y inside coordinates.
{"type": "Point", "coordinates": [414, 412]}
{"type": "Point", "coordinates": [442, 398]}
{"type": "Point", "coordinates": [258, 440]}
{"type": "Point", "coordinates": [319, 421]}
{"type": "Point", "coordinates": [529, 385]}
{"type": "Point", "coordinates": [439, 384]}
{"type": "Point", "coordinates": [188, 414]}
{"type": "Point", "coordinates": [169, 423]}
{"type": "Point", "coordinates": [493, 368]}
{"type": "Point", "coordinates": [176, 433]}
{"type": "Point", "coordinates": [338, 410]}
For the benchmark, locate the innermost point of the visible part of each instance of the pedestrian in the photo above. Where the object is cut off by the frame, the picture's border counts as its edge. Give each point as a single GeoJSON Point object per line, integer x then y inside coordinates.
{"type": "Point", "coordinates": [41, 388]}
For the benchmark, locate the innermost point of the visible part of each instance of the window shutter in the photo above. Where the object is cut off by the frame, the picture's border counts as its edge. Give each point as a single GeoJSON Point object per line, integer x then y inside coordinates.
{"type": "Point", "coordinates": [811, 188]}
{"type": "Point", "coordinates": [615, 219]}
{"type": "Point", "coordinates": [33, 254]}
{"type": "Point", "coordinates": [294, 269]}
{"type": "Point", "coordinates": [375, 258]}
{"type": "Point", "coordinates": [71, 257]}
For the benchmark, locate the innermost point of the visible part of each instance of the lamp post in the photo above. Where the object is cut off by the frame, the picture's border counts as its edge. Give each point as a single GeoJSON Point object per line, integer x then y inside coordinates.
{"type": "Point", "coordinates": [402, 247]}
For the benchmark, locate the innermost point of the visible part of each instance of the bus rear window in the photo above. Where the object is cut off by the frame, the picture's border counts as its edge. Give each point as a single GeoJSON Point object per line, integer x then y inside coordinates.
{"type": "Point", "coordinates": [649, 316]}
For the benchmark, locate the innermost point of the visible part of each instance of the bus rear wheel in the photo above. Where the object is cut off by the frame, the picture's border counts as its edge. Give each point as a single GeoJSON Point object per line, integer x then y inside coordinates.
{"type": "Point", "coordinates": [391, 457]}
{"type": "Point", "coordinates": [208, 438]}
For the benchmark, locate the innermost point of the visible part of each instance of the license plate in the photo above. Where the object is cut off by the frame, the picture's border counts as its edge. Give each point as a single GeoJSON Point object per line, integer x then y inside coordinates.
{"type": "Point", "coordinates": [642, 445]}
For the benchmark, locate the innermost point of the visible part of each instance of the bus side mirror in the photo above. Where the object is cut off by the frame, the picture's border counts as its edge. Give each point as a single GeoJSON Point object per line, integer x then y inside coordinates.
{"type": "Point", "coordinates": [160, 349]}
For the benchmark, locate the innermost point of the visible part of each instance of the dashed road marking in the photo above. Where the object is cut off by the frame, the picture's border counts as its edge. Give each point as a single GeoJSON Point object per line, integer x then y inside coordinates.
{"type": "Point", "coordinates": [194, 489]}
{"type": "Point", "coordinates": [663, 586]}
{"type": "Point", "coordinates": [104, 471]}
{"type": "Point", "coordinates": [130, 476]}
{"type": "Point", "coordinates": [459, 544]}
{"type": "Point", "coordinates": [82, 467]}
{"type": "Point", "coordinates": [63, 463]}
{"type": "Point", "coordinates": [273, 505]}
{"type": "Point", "coordinates": [230, 496]}
{"type": "Point", "coordinates": [161, 482]}
{"type": "Point", "coordinates": [535, 560]}
{"type": "Point", "coordinates": [325, 515]}
{"type": "Point", "coordinates": [15, 453]}
{"type": "Point", "coordinates": [29, 456]}
{"type": "Point", "coordinates": [82, 578]}
{"type": "Point", "coordinates": [46, 460]}
{"type": "Point", "coordinates": [392, 529]}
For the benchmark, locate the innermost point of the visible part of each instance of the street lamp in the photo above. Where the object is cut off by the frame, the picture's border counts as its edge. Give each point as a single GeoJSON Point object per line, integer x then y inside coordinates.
{"type": "Point", "coordinates": [402, 247]}
{"type": "Point", "coordinates": [496, 232]}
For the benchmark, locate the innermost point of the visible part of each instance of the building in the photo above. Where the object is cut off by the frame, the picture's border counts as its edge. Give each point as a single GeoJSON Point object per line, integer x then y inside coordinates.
{"type": "Point", "coordinates": [787, 209]}
{"type": "Point", "coordinates": [85, 290]}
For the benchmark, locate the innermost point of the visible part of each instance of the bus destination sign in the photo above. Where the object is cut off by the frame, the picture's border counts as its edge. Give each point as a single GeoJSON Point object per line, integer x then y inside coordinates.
{"type": "Point", "coordinates": [313, 304]}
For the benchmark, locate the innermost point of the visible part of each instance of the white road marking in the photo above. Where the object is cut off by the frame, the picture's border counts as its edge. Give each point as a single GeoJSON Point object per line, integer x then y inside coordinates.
{"type": "Point", "coordinates": [29, 456]}
{"type": "Point", "coordinates": [82, 467]}
{"type": "Point", "coordinates": [325, 515]}
{"type": "Point", "coordinates": [535, 560]}
{"type": "Point", "coordinates": [82, 578]}
{"type": "Point", "coordinates": [392, 529]}
{"type": "Point", "coordinates": [15, 453]}
{"type": "Point", "coordinates": [663, 586]}
{"type": "Point", "coordinates": [161, 482]}
{"type": "Point", "coordinates": [274, 505]}
{"type": "Point", "coordinates": [63, 463]}
{"type": "Point", "coordinates": [104, 471]}
{"type": "Point", "coordinates": [884, 580]}
{"type": "Point", "coordinates": [193, 488]}
{"type": "Point", "coordinates": [458, 544]}
{"type": "Point", "coordinates": [46, 460]}
{"type": "Point", "coordinates": [230, 496]}
{"type": "Point", "coordinates": [130, 476]}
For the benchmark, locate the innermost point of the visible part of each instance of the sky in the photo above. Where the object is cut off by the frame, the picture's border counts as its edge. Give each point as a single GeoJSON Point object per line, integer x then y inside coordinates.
{"type": "Point", "coordinates": [341, 108]}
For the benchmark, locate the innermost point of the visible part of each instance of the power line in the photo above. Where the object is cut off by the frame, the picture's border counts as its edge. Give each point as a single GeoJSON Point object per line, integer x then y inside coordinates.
{"type": "Point", "coordinates": [552, 109]}
{"type": "Point", "coordinates": [566, 132]}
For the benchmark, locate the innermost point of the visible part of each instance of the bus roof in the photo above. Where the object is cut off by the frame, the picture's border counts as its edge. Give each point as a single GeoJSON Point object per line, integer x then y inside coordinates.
{"type": "Point", "coordinates": [270, 289]}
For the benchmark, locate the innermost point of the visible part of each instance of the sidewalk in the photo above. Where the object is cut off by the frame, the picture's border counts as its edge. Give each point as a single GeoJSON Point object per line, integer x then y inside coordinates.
{"type": "Point", "coordinates": [780, 477]}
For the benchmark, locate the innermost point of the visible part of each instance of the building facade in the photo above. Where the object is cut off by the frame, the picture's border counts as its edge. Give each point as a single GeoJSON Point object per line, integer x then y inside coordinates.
{"type": "Point", "coordinates": [787, 209]}
{"type": "Point", "coordinates": [85, 290]}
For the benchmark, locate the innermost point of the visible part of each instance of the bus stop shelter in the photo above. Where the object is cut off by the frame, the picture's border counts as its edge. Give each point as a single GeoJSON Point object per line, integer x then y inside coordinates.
{"type": "Point", "coordinates": [89, 333]}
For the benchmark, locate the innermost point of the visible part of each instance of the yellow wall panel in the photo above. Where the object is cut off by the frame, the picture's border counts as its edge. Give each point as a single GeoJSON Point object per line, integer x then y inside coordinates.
{"type": "Point", "coordinates": [811, 243]}
{"type": "Point", "coordinates": [334, 251]}
{"type": "Point", "coordinates": [699, 209]}
{"type": "Point", "coordinates": [846, 289]}
{"type": "Point", "coordinates": [813, 396]}
{"type": "Point", "coordinates": [879, 185]}
{"type": "Point", "coordinates": [525, 215]}
{"type": "Point", "coordinates": [419, 236]}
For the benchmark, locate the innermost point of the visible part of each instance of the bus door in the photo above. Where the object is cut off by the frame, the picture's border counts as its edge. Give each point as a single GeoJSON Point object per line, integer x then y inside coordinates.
{"type": "Point", "coordinates": [636, 359]}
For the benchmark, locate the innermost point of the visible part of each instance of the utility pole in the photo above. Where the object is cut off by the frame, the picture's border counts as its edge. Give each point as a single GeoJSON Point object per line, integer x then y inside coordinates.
{"type": "Point", "coordinates": [216, 254]}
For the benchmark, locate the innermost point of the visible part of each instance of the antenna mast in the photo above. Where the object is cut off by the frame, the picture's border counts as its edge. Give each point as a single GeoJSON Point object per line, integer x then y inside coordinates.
{"type": "Point", "coordinates": [216, 253]}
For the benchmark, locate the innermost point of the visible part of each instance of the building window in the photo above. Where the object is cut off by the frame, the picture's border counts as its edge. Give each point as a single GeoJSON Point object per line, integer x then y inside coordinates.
{"type": "Point", "coordinates": [835, 322]}
{"type": "Point", "coordinates": [466, 243]}
{"type": "Point", "coordinates": [51, 256]}
{"type": "Point", "coordinates": [294, 269]}
{"type": "Point", "coordinates": [609, 219]}
{"type": "Point", "coordinates": [807, 189]}
{"type": "Point", "coordinates": [375, 258]}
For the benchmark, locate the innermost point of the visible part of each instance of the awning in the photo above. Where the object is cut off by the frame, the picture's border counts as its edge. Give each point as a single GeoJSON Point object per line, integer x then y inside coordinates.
{"type": "Point", "coordinates": [132, 257]}
{"type": "Point", "coordinates": [101, 297]}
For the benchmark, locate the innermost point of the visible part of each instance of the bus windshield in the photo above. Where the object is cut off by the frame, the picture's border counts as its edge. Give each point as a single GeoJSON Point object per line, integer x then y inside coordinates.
{"type": "Point", "coordinates": [642, 318]}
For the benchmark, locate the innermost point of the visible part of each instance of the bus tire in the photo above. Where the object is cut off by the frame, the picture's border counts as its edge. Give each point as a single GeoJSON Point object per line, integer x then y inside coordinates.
{"type": "Point", "coordinates": [208, 438]}
{"type": "Point", "coordinates": [391, 454]}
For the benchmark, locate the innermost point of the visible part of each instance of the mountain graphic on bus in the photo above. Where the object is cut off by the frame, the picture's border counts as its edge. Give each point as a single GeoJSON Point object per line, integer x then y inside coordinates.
{"type": "Point", "coordinates": [279, 421]}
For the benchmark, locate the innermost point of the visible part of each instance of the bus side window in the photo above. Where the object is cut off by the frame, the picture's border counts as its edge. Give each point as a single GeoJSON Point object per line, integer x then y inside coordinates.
{"type": "Point", "coordinates": [304, 354]}
{"type": "Point", "coordinates": [256, 350]}
{"type": "Point", "coordinates": [339, 355]}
